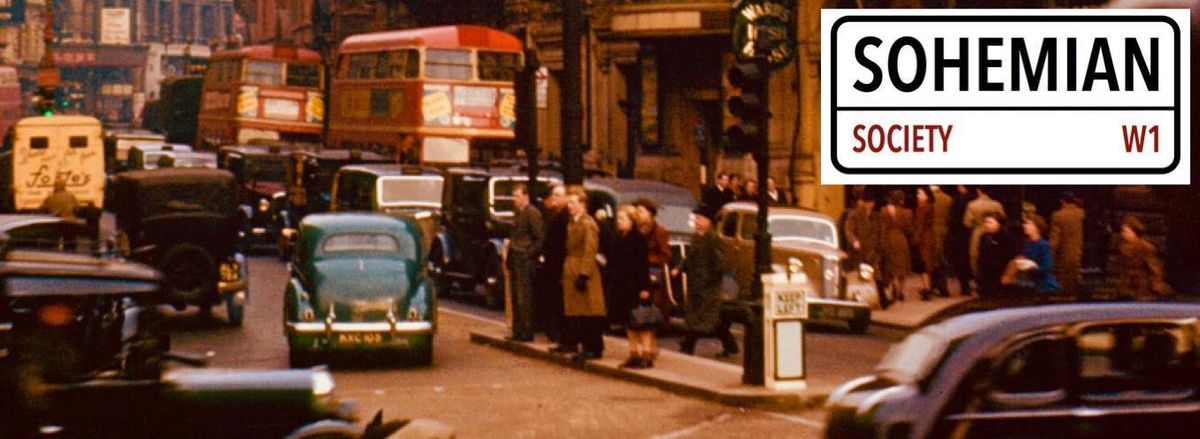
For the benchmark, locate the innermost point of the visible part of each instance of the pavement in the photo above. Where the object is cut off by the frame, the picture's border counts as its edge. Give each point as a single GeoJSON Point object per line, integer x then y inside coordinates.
{"type": "Point", "coordinates": [715, 380]}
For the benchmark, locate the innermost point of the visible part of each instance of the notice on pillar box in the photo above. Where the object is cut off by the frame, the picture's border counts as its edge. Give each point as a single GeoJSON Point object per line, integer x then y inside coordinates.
{"type": "Point", "coordinates": [1096, 96]}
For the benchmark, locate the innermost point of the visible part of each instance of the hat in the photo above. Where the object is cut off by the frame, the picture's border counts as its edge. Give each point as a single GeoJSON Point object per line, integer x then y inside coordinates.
{"type": "Point", "coordinates": [648, 204]}
{"type": "Point", "coordinates": [1069, 197]}
{"type": "Point", "coordinates": [704, 211]}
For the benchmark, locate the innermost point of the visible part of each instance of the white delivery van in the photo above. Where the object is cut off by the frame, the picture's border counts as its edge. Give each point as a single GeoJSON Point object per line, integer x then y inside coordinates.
{"type": "Point", "coordinates": [41, 150]}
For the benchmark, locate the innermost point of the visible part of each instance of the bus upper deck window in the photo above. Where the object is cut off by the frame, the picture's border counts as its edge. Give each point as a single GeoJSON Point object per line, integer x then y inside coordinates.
{"type": "Point", "coordinates": [362, 65]}
{"type": "Point", "coordinates": [300, 75]}
{"type": "Point", "coordinates": [398, 64]}
{"type": "Point", "coordinates": [448, 64]}
{"type": "Point", "coordinates": [79, 141]}
{"type": "Point", "coordinates": [264, 72]}
{"type": "Point", "coordinates": [39, 142]}
{"type": "Point", "coordinates": [498, 66]}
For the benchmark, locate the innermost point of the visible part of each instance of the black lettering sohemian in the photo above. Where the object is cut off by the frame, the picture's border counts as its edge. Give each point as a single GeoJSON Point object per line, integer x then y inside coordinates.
{"type": "Point", "coordinates": [941, 63]}
{"type": "Point", "coordinates": [894, 70]}
{"type": "Point", "coordinates": [985, 63]}
{"type": "Point", "coordinates": [1133, 52]}
{"type": "Point", "coordinates": [1047, 62]}
{"type": "Point", "coordinates": [861, 56]}
{"type": "Point", "coordinates": [1100, 52]}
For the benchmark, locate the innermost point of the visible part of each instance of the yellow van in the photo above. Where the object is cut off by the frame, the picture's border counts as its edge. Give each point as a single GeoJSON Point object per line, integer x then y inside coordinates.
{"type": "Point", "coordinates": [41, 150]}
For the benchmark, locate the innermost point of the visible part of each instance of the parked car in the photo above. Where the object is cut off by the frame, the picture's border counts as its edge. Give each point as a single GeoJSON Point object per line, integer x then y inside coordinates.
{"type": "Point", "coordinates": [802, 237]}
{"type": "Point", "coordinates": [1077, 370]}
{"type": "Point", "coordinates": [358, 283]}
{"type": "Point", "coordinates": [118, 141]}
{"type": "Point", "coordinates": [260, 171]}
{"type": "Point", "coordinates": [478, 216]}
{"type": "Point", "coordinates": [186, 223]}
{"type": "Point", "coordinates": [674, 214]}
{"type": "Point", "coordinates": [310, 175]}
{"type": "Point", "coordinates": [309, 185]}
{"type": "Point", "coordinates": [403, 191]}
{"type": "Point", "coordinates": [141, 159]}
{"type": "Point", "coordinates": [112, 375]}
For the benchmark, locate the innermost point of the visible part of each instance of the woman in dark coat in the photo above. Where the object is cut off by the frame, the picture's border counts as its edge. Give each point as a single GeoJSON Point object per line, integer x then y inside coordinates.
{"type": "Point", "coordinates": [628, 269]}
{"type": "Point", "coordinates": [705, 266]}
{"type": "Point", "coordinates": [1139, 271]}
{"type": "Point", "coordinates": [897, 226]}
{"type": "Point", "coordinates": [996, 249]}
{"type": "Point", "coordinates": [924, 242]}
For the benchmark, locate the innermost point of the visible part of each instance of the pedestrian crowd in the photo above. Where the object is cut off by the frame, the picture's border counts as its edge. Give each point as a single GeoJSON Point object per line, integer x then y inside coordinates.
{"type": "Point", "coordinates": [966, 235]}
{"type": "Point", "coordinates": [575, 275]}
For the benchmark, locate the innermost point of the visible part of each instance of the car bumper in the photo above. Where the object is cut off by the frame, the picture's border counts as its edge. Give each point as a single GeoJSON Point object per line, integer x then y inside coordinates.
{"type": "Point", "coordinates": [358, 335]}
{"type": "Point", "coordinates": [837, 310]}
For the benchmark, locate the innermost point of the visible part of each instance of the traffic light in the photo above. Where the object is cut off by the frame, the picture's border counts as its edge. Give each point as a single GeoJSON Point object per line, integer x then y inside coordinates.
{"type": "Point", "coordinates": [750, 107]}
{"type": "Point", "coordinates": [47, 100]}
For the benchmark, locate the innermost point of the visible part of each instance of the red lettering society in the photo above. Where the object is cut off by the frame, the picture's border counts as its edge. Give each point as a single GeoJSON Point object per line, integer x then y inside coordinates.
{"type": "Point", "coordinates": [902, 138]}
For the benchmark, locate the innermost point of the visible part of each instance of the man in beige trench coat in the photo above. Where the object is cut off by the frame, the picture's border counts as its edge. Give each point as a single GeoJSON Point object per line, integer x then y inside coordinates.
{"type": "Point", "coordinates": [583, 295]}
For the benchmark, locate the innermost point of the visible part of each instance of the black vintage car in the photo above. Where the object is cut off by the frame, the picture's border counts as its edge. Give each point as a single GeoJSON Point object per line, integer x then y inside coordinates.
{"type": "Point", "coordinates": [308, 182]}
{"type": "Point", "coordinates": [260, 171]}
{"type": "Point", "coordinates": [186, 223]}
{"type": "Point", "coordinates": [1103, 370]}
{"type": "Point", "coordinates": [82, 355]}
{"type": "Point", "coordinates": [478, 214]}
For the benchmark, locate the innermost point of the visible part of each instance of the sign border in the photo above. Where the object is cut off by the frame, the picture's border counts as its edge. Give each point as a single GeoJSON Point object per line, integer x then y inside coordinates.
{"type": "Point", "coordinates": [833, 108]}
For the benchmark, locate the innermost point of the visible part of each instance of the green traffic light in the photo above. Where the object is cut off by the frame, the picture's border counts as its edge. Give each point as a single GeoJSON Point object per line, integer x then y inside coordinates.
{"type": "Point", "coordinates": [47, 113]}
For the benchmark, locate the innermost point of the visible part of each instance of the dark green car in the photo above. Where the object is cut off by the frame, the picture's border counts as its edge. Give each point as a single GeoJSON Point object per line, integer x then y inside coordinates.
{"type": "Point", "coordinates": [358, 283]}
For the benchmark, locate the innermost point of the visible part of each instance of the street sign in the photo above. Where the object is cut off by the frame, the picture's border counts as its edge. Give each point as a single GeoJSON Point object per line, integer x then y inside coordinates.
{"type": "Point", "coordinates": [764, 29]}
{"type": "Point", "coordinates": [1037, 96]}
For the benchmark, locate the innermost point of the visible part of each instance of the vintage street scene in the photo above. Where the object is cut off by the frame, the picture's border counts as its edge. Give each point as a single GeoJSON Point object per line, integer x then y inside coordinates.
{"type": "Point", "coordinates": [595, 219]}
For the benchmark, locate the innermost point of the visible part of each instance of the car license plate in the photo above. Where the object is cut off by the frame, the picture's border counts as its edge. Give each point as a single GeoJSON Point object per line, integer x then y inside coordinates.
{"type": "Point", "coordinates": [231, 272]}
{"type": "Point", "coordinates": [360, 338]}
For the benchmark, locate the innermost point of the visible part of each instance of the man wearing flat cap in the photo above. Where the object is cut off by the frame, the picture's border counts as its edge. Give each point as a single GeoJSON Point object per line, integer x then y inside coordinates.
{"type": "Point", "coordinates": [705, 266]}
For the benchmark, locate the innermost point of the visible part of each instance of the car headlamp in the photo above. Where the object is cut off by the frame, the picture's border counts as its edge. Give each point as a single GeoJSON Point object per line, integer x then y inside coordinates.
{"type": "Point", "coordinates": [264, 205]}
{"type": "Point", "coordinates": [322, 383]}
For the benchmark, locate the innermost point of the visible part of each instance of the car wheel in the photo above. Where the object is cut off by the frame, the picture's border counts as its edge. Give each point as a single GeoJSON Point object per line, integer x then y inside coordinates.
{"type": "Point", "coordinates": [423, 354]}
{"type": "Point", "coordinates": [234, 311]}
{"type": "Point", "coordinates": [493, 283]}
{"type": "Point", "coordinates": [327, 429]}
{"type": "Point", "coordinates": [858, 326]}
{"type": "Point", "coordinates": [300, 358]}
{"type": "Point", "coordinates": [189, 273]}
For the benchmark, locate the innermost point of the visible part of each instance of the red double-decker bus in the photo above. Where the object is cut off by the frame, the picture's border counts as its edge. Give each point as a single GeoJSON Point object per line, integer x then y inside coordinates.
{"type": "Point", "coordinates": [432, 95]}
{"type": "Point", "coordinates": [261, 92]}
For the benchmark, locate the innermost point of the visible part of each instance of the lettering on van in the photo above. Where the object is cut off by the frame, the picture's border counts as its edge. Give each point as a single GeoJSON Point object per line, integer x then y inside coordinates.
{"type": "Point", "coordinates": [44, 178]}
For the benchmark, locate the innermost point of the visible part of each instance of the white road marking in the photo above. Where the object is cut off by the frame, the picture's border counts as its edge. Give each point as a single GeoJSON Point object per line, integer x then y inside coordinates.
{"type": "Point", "coordinates": [688, 431]}
{"type": "Point", "coordinates": [798, 420]}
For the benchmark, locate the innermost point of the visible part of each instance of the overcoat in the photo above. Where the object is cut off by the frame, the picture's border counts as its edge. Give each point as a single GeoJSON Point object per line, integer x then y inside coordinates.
{"type": "Point", "coordinates": [583, 243]}
{"type": "Point", "coordinates": [705, 266]}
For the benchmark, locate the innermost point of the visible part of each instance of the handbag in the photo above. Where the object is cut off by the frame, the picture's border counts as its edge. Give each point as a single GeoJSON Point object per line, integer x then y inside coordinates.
{"type": "Point", "coordinates": [581, 283]}
{"type": "Point", "coordinates": [645, 317]}
{"type": "Point", "coordinates": [729, 288]}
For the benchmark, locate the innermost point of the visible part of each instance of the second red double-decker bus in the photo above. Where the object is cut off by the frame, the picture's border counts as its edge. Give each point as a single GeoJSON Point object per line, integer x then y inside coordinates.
{"type": "Point", "coordinates": [261, 92]}
{"type": "Point", "coordinates": [432, 95]}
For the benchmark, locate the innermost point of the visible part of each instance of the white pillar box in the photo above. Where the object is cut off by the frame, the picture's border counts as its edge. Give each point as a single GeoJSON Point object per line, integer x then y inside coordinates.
{"type": "Point", "coordinates": [784, 309]}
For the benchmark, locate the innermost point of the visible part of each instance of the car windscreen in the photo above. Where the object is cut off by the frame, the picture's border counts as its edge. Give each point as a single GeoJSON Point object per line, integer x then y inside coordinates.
{"type": "Point", "coordinates": [795, 227]}
{"type": "Point", "coordinates": [912, 359]}
{"type": "Point", "coordinates": [367, 243]}
{"type": "Point", "coordinates": [502, 200]}
{"type": "Point", "coordinates": [265, 168]}
{"type": "Point", "coordinates": [414, 191]}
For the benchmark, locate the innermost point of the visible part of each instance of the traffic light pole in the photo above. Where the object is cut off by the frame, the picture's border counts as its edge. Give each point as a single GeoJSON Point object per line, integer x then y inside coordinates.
{"type": "Point", "coordinates": [752, 359]}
